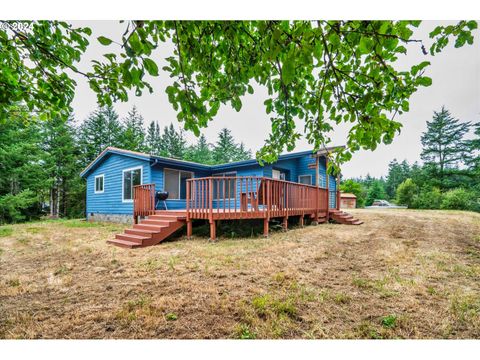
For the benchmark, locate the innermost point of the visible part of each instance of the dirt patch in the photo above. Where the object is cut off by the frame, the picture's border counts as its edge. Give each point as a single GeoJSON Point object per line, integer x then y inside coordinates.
{"type": "Point", "coordinates": [402, 274]}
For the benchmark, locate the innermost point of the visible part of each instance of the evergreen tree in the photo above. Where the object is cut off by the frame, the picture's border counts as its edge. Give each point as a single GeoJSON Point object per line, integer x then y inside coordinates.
{"type": "Point", "coordinates": [473, 157]}
{"type": "Point", "coordinates": [59, 159]}
{"type": "Point", "coordinates": [200, 152]}
{"type": "Point", "coordinates": [397, 173]}
{"type": "Point", "coordinates": [133, 134]}
{"type": "Point", "coordinates": [443, 144]}
{"type": "Point", "coordinates": [242, 153]}
{"type": "Point", "coordinates": [153, 139]}
{"type": "Point", "coordinates": [375, 192]}
{"type": "Point", "coordinates": [100, 130]}
{"type": "Point", "coordinates": [225, 148]}
{"type": "Point", "coordinates": [173, 143]}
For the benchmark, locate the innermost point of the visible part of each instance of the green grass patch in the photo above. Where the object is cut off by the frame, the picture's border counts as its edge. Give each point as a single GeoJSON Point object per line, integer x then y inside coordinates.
{"type": "Point", "coordinates": [171, 317]}
{"type": "Point", "coordinates": [389, 321]}
{"type": "Point", "coordinates": [13, 282]}
{"type": "Point", "coordinates": [244, 332]}
{"type": "Point", "coordinates": [34, 230]}
{"type": "Point", "coordinates": [82, 224]}
{"type": "Point", "coordinates": [5, 231]}
{"type": "Point", "coordinates": [465, 308]}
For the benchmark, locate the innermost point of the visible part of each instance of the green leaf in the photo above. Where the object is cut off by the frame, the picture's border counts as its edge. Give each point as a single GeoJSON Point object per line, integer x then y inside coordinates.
{"type": "Point", "coordinates": [288, 68]}
{"type": "Point", "coordinates": [150, 66]}
{"type": "Point", "coordinates": [424, 81]}
{"type": "Point", "coordinates": [104, 41]}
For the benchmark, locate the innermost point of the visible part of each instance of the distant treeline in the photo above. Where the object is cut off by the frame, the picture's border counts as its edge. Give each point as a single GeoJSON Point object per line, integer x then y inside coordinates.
{"type": "Point", "coordinates": [40, 160]}
{"type": "Point", "coordinates": [449, 177]}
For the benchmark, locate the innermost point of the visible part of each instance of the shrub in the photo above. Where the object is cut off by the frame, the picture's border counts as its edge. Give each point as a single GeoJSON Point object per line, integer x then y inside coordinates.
{"type": "Point", "coordinates": [458, 199]}
{"type": "Point", "coordinates": [428, 199]}
{"type": "Point", "coordinates": [406, 192]}
{"type": "Point", "coordinates": [13, 207]}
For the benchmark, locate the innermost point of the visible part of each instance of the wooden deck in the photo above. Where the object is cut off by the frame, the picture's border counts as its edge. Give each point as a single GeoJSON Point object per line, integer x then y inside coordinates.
{"type": "Point", "coordinates": [229, 198]}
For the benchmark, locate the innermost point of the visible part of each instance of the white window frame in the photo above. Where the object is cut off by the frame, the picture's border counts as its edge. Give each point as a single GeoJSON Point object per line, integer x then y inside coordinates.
{"type": "Point", "coordinates": [95, 184]}
{"type": "Point", "coordinates": [305, 175]}
{"type": "Point", "coordinates": [179, 181]}
{"type": "Point", "coordinates": [123, 182]}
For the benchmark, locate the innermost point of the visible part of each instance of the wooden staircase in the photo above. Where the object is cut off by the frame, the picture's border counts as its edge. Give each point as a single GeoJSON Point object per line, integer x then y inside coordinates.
{"type": "Point", "coordinates": [151, 230]}
{"type": "Point", "coordinates": [342, 217]}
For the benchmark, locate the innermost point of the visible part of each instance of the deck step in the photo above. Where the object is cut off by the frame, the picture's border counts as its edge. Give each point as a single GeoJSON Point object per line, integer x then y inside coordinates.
{"type": "Point", "coordinates": [148, 232]}
{"type": "Point", "coordinates": [124, 243]}
{"type": "Point", "coordinates": [342, 217]}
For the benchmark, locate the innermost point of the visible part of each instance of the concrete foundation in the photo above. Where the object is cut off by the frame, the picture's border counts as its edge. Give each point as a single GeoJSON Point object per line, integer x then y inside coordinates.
{"type": "Point", "coordinates": [116, 218]}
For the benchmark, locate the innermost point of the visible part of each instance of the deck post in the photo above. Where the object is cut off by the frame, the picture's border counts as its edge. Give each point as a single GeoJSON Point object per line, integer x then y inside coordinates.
{"type": "Point", "coordinates": [327, 178]}
{"type": "Point", "coordinates": [265, 227]}
{"type": "Point", "coordinates": [317, 181]}
{"type": "Point", "coordinates": [338, 191]}
{"type": "Point", "coordinates": [189, 229]}
{"type": "Point", "coordinates": [213, 230]}
{"type": "Point", "coordinates": [285, 223]}
{"type": "Point", "coordinates": [301, 220]}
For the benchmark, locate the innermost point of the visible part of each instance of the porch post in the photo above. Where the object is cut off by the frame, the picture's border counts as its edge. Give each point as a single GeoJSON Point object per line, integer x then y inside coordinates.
{"type": "Point", "coordinates": [265, 227]}
{"type": "Point", "coordinates": [301, 220]}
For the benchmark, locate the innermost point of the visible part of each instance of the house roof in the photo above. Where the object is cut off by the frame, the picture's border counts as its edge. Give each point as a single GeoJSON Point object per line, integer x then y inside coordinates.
{"type": "Point", "coordinates": [192, 164]}
{"type": "Point", "coordinates": [348, 195]}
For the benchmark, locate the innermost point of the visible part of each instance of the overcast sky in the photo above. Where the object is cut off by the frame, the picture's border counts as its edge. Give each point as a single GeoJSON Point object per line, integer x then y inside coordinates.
{"type": "Point", "coordinates": [456, 84]}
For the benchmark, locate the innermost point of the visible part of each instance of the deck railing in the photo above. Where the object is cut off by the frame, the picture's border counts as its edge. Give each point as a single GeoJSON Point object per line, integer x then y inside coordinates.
{"type": "Point", "coordinates": [253, 197]}
{"type": "Point", "coordinates": [143, 200]}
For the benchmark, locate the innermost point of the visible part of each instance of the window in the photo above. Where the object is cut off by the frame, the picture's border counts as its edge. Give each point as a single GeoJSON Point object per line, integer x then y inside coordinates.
{"type": "Point", "coordinates": [277, 174]}
{"type": "Point", "coordinates": [175, 183]}
{"type": "Point", "coordinates": [131, 177]}
{"type": "Point", "coordinates": [305, 179]}
{"type": "Point", "coordinates": [99, 179]}
{"type": "Point", "coordinates": [226, 185]}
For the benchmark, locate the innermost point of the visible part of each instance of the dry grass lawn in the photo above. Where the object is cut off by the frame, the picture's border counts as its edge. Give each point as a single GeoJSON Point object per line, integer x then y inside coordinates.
{"type": "Point", "coordinates": [402, 274]}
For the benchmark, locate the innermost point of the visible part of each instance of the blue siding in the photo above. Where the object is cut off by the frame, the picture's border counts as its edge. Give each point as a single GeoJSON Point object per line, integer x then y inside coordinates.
{"type": "Point", "coordinates": [110, 201]}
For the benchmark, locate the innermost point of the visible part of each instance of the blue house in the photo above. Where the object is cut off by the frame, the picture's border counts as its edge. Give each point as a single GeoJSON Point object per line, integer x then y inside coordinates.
{"type": "Point", "coordinates": [122, 184]}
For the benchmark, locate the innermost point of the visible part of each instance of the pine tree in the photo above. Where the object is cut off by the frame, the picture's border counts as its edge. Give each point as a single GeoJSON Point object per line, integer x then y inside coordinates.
{"type": "Point", "coordinates": [133, 134]}
{"type": "Point", "coordinates": [200, 152]}
{"type": "Point", "coordinates": [173, 143]}
{"type": "Point", "coordinates": [225, 148]}
{"type": "Point", "coordinates": [397, 173]}
{"type": "Point", "coordinates": [443, 143]}
{"type": "Point", "coordinates": [242, 153]}
{"type": "Point", "coordinates": [59, 161]}
{"type": "Point", "coordinates": [473, 157]}
{"type": "Point", "coordinates": [100, 130]}
{"type": "Point", "coordinates": [153, 139]}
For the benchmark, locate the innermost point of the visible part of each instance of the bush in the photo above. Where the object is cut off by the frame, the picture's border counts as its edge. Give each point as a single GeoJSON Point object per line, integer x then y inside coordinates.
{"type": "Point", "coordinates": [13, 208]}
{"type": "Point", "coordinates": [406, 192]}
{"type": "Point", "coordinates": [458, 199]}
{"type": "Point", "coordinates": [428, 198]}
